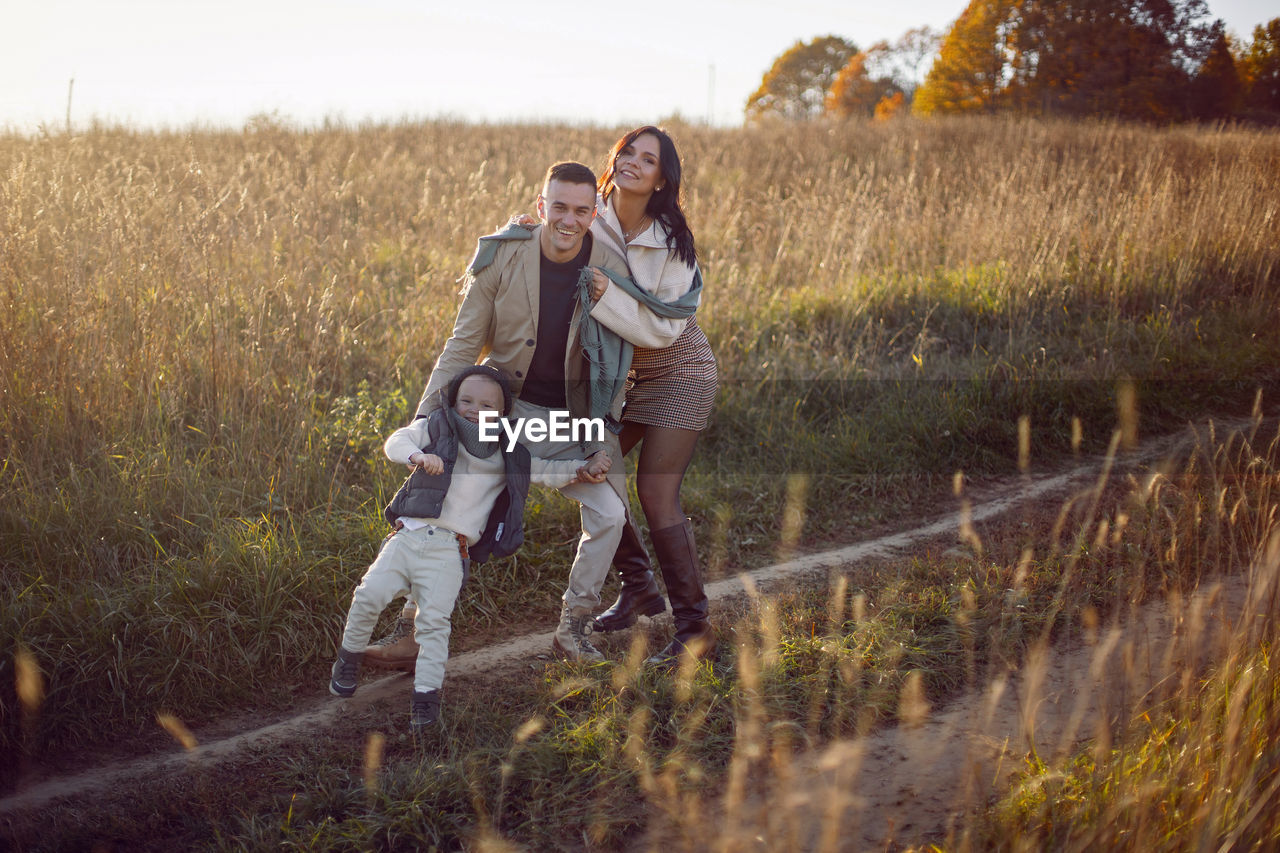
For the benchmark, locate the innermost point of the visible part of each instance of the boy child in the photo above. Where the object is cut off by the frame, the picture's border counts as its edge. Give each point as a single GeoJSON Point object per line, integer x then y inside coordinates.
{"type": "Point", "coordinates": [469, 496]}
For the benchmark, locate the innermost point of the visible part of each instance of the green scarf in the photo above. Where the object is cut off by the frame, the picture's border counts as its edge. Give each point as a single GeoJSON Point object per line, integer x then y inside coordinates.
{"type": "Point", "coordinates": [608, 353]}
{"type": "Point", "coordinates": [487, 246]}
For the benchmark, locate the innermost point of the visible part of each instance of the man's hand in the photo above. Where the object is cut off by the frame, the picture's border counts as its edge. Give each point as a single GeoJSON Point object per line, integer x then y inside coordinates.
{"type": "Point", "coordinates": [599, 284]}
{"type": "Point", "coordinates": [428, 462]}
{"type": "Point", "coordinates": [524, 220]}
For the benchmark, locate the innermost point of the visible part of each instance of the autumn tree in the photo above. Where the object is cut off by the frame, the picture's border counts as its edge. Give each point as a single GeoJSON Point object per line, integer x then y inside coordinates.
{"type": "Point", "coordinates": [796, 86]}
{"type": "Point", "coordinates": [889, 107]}
{"type": "Point", "coordinates": [1127, 58]}
{"type": "Point", "coordinates": [881, 79]}
{"type": "Point", "coordinates": [969, 72]}
{"type": "Point", "coordinates": [1260, 68]}
{"type": "Point", "coordinates": [855, 93]}
{"type": "Point", "coordinates": [1177, 37]}
{"type": "Point", "coordinates": [1069, 56]}
{"type": "Point", "coordinates": [1216, 91]}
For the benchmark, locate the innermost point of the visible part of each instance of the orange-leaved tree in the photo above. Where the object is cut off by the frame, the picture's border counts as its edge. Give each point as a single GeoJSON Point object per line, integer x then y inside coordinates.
{"type": "Point", "coordinates": [889, 107]}
{"type": "Point", "coordinates": [854, 92]}
{"type": "Point", "coordinates": [884, 77]}
{"type": "Point", "coordinates": [1128, 58]}
{"type": "Point", "coordinates": [1260, 68]}
{"type": "Point", "coordinates": [796, 86]}
{"type": "Point", "coordinates": [970, 69]}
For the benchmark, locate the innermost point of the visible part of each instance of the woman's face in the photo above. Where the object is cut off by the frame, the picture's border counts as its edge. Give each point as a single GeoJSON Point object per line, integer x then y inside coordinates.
{"type": "Point", "coordinates": [638, 167]}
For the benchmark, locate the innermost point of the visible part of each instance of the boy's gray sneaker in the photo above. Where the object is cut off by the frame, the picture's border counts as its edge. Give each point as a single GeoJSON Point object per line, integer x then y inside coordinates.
{"type": "Point", "coordinates": [424, 711]}
{"type": "Point", "coordinates": [346, 670]}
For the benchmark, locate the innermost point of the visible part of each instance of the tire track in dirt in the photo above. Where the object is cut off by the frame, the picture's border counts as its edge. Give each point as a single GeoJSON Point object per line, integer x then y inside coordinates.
{"type": "Point", "coordinates": [327, 710]}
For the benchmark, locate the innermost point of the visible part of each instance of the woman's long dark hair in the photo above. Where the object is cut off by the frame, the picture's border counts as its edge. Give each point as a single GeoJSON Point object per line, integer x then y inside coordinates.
{"type": "Point", "coordinates": [664, 204]}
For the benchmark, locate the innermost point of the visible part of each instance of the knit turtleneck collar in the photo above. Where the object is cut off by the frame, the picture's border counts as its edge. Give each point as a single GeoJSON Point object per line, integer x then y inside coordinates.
{"type": "Point", "coordinates": [469, 436]}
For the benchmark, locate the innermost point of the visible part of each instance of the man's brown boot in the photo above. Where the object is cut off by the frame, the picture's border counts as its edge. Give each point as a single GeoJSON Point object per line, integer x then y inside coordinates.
{"type": "Point", "coordinates": [397, 650]}
{"type": "Point", "coordinates": [570, 641]}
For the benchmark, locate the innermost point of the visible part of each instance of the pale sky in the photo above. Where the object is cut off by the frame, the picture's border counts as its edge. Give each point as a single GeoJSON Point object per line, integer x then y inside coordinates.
{"type": "Point", "coordinates": [173, 63]}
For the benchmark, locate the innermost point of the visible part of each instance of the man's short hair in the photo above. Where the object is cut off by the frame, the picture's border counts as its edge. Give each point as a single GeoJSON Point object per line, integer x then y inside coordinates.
{"type": "Point", "coordinates": [570, 172]}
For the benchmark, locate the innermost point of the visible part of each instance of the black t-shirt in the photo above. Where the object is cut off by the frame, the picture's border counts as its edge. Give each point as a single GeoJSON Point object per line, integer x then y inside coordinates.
{"type": "Point", "coordinates": [557, 296]}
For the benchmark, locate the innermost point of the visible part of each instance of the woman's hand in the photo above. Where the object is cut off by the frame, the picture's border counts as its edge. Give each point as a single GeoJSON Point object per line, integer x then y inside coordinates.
{"type": "Point", "coordinates": [599, 284]}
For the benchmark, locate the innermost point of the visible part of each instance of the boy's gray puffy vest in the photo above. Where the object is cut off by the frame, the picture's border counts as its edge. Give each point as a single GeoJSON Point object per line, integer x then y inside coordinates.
{"type": "Point", "coordinates": [422, 494]}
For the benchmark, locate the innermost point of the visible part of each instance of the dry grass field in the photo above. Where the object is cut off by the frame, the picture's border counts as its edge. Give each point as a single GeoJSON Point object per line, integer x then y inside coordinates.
{"type": "Point", "coordinates": [205, 337]}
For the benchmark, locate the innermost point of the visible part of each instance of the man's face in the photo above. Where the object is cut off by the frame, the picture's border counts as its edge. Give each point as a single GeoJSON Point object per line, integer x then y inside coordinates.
{"type": "Point", "coordinates": [566, 210]}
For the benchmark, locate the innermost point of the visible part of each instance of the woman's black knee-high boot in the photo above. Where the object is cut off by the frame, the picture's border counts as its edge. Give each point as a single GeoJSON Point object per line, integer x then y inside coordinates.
{"type": "Point", "coordinates": [640, 594]}
{"type": "Point", "coordinates": [678, 560]}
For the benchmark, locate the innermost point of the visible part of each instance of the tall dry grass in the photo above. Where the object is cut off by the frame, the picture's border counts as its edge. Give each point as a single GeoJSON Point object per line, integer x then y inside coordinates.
{"type": "Point", "coordinates": [1167, 745]}
{"type": "Point", "coordinates": [206, 335]}
{"type": "Point", "coordinates": [1102, 680]}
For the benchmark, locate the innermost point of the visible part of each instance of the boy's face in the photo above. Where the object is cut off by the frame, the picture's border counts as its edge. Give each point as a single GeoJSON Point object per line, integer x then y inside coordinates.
{"type": "Point", "coordinates": [478, 394]}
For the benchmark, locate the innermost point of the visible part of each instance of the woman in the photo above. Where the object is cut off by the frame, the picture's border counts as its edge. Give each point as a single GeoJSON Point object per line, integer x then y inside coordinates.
{"type": "Point", "coordinates": [672, 382]}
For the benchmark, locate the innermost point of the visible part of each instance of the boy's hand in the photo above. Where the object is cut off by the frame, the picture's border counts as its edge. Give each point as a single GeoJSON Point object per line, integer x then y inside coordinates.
{"type": "Point", "coordinates": [599, 464]}
{"type": "Point", "coordinates": [585, 476]}
{"type": "Point", "coordinates": [595, 469]}
{"type": "Point", "coordinates": [428, 462]}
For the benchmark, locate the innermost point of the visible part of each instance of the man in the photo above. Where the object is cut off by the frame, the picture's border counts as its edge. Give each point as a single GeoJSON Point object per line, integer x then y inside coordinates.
{"type": "Point", "coordinates": [523, 308]}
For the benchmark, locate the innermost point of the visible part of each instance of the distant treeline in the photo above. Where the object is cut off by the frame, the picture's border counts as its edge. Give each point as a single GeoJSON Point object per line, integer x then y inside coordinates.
{"type": "Point", "coordinates": [1145, 60]}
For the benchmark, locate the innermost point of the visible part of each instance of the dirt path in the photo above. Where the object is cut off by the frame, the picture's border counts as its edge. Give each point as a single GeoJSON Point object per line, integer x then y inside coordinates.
{"type": "Point", "coordinates": [973, 729]}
